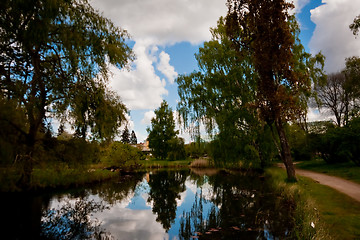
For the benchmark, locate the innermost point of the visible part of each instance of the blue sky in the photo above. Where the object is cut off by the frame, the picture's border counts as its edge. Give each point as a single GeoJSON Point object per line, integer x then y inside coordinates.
{"type": "Point", "coordinates": [167, 33]}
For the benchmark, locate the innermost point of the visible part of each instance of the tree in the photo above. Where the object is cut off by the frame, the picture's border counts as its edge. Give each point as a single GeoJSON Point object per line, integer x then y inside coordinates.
{"type": "Point", "coordinates": [352, 85]}
{"type": "Point", "coordinates": [54, 62]}
{"type": "Point", "coordinates": [125, 136]}
{"type": "Point", "coordinates": [222, 96]}
{"type": "Point", "coordinates": [264, 32]}
{"type": "Point", "coordinates": [165, 188]}
{"type": "Point", "coordinates": [162, 131]}
{"type": "Point", "coordinates": [333, 96]}
{"type": "Point", "coordinates": [340, 94]}
{"type": "Point", "coordinates": [133, 138]}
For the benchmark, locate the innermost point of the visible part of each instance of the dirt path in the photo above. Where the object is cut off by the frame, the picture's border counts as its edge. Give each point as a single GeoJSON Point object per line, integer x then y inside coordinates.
{"type": "Point", "coordinates": [347, 187]}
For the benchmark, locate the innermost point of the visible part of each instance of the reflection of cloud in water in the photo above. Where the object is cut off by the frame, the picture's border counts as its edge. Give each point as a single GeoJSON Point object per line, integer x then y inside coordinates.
{"type": "Point", "coordinates": [206, 188]}
{"type": "Point", "coordinates": [124, 223]}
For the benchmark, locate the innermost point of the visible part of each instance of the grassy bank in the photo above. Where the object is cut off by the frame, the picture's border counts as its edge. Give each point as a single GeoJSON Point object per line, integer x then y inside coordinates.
{"type": "Point", "coordinates": [155, 163]}
{"type": "Point", "coordinates": [46, 178]}
{"type": "Point", "coordinates": [347, 170]}
{"type": "Point", "coordinates": [320, 212]}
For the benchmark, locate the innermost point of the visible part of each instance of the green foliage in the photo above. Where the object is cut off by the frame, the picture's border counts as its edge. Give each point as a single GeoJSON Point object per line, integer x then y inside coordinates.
{"type": "Point", "coordinates": [341, 144]}
{"type": "Point", "coordinates": [162, 131]}
{"type": "Point", "coordinates": [120, 154]}
{"type": "Point", "coordinates": [176, 149]}
{"type": "Point", "coordinates": [55, 58]}
{"type": "Point", "coordinates": [299, 143]}
{"type": "Point", "coordinates": [197, 149]}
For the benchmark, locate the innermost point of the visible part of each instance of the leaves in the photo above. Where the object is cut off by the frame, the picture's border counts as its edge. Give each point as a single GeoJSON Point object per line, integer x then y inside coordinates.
{"type": "Point", "coordinates": [55, 60]}
{"type": "Point", "coordinates": [162, 130]}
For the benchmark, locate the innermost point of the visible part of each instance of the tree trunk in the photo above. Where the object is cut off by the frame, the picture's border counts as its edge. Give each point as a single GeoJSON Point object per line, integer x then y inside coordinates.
{"type": "Point", "coordinates": [35, 109]}
{"type": "Point", "coordinates": [285, 151]}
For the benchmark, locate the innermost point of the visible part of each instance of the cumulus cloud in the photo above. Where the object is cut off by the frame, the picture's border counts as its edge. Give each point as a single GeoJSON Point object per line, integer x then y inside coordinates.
{"type": "Point", "coordinates": [164, 21]}
{"type": "Point", "coordinates": [140, 88]}
{"type": "Point", "coordinates": [156, 23]}
{"type": "Point", "coordinates": [299, 4]}
{"type": "Point", "coordinates": [165, 68]}
{"type": "Point", "coordinates": [332, 35]}
{"type": "Point", "coordinates": [147, 117]}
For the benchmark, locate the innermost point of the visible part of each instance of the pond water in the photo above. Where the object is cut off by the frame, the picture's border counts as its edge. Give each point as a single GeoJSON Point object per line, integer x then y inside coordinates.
{"type": "Point", "coordinates": [153, 205]}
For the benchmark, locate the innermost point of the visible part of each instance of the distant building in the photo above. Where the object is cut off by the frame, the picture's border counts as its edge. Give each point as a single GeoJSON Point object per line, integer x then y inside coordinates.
{"type": "Point", "coordinates": [144, 147]}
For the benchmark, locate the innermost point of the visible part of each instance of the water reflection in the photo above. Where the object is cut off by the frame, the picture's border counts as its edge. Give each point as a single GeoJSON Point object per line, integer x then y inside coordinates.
{"type": "Point", "coordinates": [165, 188]}
{"type": "Point", "coordinates": [73, 221]}
{"type": "Point", "coordinates": [163, 205]}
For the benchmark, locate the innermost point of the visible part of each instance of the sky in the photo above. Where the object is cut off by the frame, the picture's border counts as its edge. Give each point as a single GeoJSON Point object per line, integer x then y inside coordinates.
{"type": "Point", "coordinates": [165, 35]}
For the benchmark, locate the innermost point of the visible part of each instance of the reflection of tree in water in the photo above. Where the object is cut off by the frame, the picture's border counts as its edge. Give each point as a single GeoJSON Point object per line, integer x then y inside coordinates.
{"type": "Point", "coordinates": [242, 207]}
{"type": "Point", "coordinates": [113, 192]}
{"type": "Point", "coordinates": [73, 221]}
{"type": "Point", "coordinates": [165, 189]}
{"type": "Point", "coordinates": [195, 218]}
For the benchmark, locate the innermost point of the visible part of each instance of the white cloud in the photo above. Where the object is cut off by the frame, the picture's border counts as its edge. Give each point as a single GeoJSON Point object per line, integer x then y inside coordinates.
{"type": "Point", "coordinates": [164, 21]}
{"type": "Point", "coordinates": [299, 4]}
{"type": "Point", "coordinates": [314, 115]}
{"type": "Point", "coordinates": [156, 23]}
{"type": "Point", "coordinates": [140, 88]}
{"type": "Point", "coordinates": [147, 117]}
{"type": "Point", "coordinates": [165, 68]}
{"type": "Point", "coordinates": [332, 35]}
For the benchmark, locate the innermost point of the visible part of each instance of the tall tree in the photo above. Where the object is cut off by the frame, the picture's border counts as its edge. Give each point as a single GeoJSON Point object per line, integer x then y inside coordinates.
{"type": "Point", "coordinates": [340, 94]}
{"type": "Point", "coordinates": [222, 96]}
{"type": "Point", "coordinates": [162, 130]}
{"type": "Point", "coordinates": [53, 53]}
{"type": "Point", "coordinates": [133, 138]}
{"type": "Point", "coordinates": [333, 97]}
{"type": "Point", "coordinates": [125, 136]}
{"type": "Point", "coordinates": [265, 32]}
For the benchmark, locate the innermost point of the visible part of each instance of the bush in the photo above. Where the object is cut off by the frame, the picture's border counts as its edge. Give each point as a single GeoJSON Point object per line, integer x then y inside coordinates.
{"type": "Point", "coordinates": [341, 144]}
{"type": "Point", "coordinates": [120, 154]}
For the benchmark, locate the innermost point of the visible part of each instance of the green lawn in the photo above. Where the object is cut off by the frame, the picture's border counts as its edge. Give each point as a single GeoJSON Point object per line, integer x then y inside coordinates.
{"type": "Point", "coordinates": [338, 213]}
{"type": "Point", "coordinates": [348, 170]}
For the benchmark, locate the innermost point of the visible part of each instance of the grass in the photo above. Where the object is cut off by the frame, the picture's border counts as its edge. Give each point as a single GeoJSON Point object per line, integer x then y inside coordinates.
{"type": "Point", "coordinates": [156, 163]}
{"type": "Point", "coordinates": [348, 170]}
{"type": "Point", "coordinates": [52, 178]}
{"type": "Point", "coordinates": [335, 215]}
{"type": "Point", "coordinates": [44, 178]}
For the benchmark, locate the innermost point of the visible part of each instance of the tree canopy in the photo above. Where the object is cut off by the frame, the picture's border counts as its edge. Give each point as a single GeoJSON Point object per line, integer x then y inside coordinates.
{"type": "Point", "coordinates": [253, 72]}
{"type": "Point", "coordinates": [54, 63]}
{"type": "Point", "coordinates": [162, 131]}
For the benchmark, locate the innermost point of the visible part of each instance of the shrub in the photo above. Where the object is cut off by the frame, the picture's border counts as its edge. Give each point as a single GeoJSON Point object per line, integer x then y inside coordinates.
{"type": "Point", "coordinates": [120, 154]}
{"type": "Point", "coordinates": [341, 144]}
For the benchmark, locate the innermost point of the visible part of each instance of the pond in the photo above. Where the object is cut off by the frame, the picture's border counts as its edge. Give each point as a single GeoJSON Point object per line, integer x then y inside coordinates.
{"type": "Point", "coordinates": [153, 205]}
